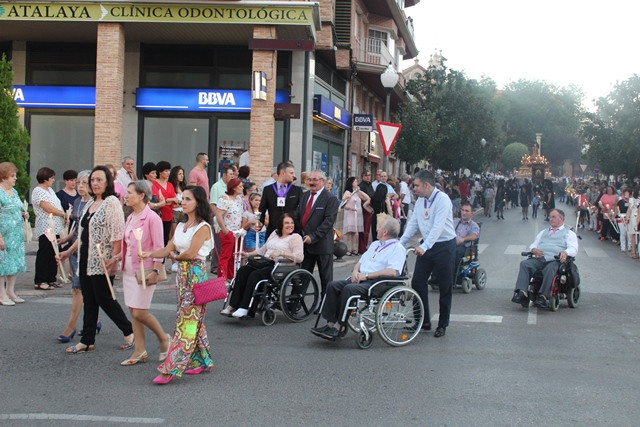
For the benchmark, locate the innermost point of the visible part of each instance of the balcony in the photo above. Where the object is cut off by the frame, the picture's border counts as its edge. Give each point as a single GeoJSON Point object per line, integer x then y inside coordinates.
{"type": "Point", "coordinates": [372, 55]}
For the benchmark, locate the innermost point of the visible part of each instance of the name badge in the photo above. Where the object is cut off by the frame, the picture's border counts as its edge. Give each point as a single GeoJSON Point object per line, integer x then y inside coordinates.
{"type": "Point", "coordinates": [280, 202]}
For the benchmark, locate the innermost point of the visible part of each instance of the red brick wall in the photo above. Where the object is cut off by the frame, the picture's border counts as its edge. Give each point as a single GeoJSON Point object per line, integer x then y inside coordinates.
{"type": "Point", "coordinates": [262, 121]}
{"type": "Point", "coordinates": [109, 94]}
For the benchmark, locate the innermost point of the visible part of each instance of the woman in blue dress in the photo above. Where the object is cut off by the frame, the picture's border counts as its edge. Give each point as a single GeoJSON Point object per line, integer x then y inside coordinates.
{"type": "Point", "coordinates": [12, 258]}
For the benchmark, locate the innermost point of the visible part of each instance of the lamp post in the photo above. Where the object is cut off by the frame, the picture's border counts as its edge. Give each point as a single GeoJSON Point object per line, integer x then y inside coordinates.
{"type": "Point", "coordinates": [389, 79]}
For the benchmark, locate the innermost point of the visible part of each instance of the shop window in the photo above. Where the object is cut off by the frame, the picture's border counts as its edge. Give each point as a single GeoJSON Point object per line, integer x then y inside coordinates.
{"type": "Point", "coordinates": [60, 142]}
{"type": "Point", "coordinates": [232, 140]}
{"type": "Point", "coordinates": [176, 140]}
{"type": "Point", "coordinates": [61, 64]}
{"type": "Point", "coordinates": [5, 47]}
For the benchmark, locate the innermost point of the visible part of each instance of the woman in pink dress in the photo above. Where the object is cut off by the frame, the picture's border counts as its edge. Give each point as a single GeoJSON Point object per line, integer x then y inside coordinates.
{"type": "Point", "coordinates": [136, 297]}
{"type": "Point", "coordinates": [353, 198]}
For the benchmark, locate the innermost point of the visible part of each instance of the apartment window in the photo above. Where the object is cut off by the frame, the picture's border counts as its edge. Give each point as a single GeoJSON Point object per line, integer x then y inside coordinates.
{"type": "Point", "coordinates": [376, 40]}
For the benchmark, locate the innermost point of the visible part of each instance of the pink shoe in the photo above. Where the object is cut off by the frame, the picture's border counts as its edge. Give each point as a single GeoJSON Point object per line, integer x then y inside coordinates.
{"type": "Point", "coordinates": [163, 380]}
{"type": "Point", "coordinates": [198, 370]}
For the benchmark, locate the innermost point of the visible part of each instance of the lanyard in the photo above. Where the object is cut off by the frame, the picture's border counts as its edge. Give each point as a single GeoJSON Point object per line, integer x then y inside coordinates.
{"type": "Point", "coordinates": [282, 193]}
{"type": "Point", "coordinates": [431, 200]}
{"type": "Point", "coordinates": [382, 248]}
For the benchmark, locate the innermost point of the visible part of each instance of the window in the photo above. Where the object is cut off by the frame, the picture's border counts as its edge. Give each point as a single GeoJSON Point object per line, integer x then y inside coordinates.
{"type": "Point", "coordinates": [376, 40]}
{"type": "Point", "coordinates": [61, 64]}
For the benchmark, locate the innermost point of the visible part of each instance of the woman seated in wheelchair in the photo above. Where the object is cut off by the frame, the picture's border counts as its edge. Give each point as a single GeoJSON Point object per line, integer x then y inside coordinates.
{"type": "Point", "coordinates": [282, 244]}
{"type": "Point", "coordinates": [384, 258]}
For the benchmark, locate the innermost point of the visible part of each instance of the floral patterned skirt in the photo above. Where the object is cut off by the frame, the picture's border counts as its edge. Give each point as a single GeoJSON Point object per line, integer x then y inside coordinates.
{"type": "Point", "coordinates": [189, 346]}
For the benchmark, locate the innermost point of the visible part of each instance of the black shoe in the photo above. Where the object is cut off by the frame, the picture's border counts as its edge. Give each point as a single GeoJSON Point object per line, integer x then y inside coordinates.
{"type": "Point", "coordinates": [426, 326]}
{"type": "Point", "coordinates": [440, 331]}
{"type": "Point", "coordinates": [330, 333]}
{"type": "Point", "coordinates": [317, 331]}
{"type": "Point", "coordinates": [541, 302]}
{"type": "Point", "coordinates": [519, 297]}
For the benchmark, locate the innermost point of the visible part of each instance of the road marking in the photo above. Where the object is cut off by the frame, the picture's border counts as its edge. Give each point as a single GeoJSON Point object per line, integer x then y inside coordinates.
{"type": "Point", "coordinates": [515, 249]}
{"type": "Point", "coordinates": [532, 317]}
{"type": "Point", "coordinates": [474, 318]}
{"type": "Point", "coordinates": [67, 301]}
{"type": "Point", "coordinates": [596, 252]}
{"type": "Point", "coordinates": [79, 417]}
{"type": "Point", "coordinates": [482, 247]}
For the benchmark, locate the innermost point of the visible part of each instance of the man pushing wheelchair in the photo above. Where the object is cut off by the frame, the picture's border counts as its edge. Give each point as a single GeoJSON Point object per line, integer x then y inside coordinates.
{"type": "Point", "coordinates": [557, 240]}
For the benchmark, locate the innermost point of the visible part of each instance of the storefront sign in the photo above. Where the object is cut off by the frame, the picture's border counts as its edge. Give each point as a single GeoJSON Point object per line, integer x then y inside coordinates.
{"type": "Point", "coordinates": [55, 96]}
{"type": "Point", "coordinates": [233, 13]}
{"type": "Point", "coordinates": [363, 122]}
{"type": "Point", "coordinates": [229, 101]}
{"type": "Point", "coordinates": [330, 112]}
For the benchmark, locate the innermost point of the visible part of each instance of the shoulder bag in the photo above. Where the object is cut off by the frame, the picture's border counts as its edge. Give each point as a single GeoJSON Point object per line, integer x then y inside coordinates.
{"type": "Point", "coordinates": [210, 290]}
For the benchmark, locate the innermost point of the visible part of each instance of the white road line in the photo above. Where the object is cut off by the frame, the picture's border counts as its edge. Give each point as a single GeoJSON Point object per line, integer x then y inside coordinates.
{"type": "Point", "coordinates": [596, 252]}
{"type": "Point", "coordinates": [474, 318]}
{"type": "Point", "coordinates": [532, 317]}
{"type": "Point", "coordinates": [482, 247]}
{"type": "Point", "coordinates": [515, 249]}
{"type": "Point", "coordinates": [67, 301]}
{"type": "Point", "coordinates": [79, 417]}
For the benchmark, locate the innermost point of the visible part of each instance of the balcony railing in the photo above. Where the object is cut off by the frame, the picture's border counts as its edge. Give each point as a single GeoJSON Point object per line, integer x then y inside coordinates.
{"type": "Point", "coordinates": [373, 51]}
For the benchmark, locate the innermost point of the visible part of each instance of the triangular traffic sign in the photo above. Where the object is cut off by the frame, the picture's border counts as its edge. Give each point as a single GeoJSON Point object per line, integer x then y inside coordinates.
{"type": "Point", "coordinates": [388, 135]}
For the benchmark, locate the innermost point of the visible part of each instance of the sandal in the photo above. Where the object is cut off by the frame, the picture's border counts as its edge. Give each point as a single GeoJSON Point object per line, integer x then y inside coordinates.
{"type": "Point", "coordinates": [42, 287]}
{"type": "Point", "coordinates": [634, 256]}
{"type": "Point", "coordinates": [75, 350]}
{"type": "Point", "coordinates": [126, 345]}
{"type": "Point", "coordinates": [56, 284]}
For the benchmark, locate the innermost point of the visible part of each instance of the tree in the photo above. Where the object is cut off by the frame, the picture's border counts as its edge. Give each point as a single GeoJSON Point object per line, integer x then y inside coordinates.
{"type": "Point", "coordinates": [613, 132]}
{"type": "Point", "coordinates": [539, 107]}
{"type": "Point", "coordinates": [14, 138]}
{"type": "Point", "coordinates": [445, 119]}
{"type": "Point", "coordinates": [512, 154]}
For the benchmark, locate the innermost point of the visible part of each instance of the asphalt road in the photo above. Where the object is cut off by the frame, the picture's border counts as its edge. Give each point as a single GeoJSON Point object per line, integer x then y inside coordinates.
{"type": "Point", "coordinates": [499, 364]}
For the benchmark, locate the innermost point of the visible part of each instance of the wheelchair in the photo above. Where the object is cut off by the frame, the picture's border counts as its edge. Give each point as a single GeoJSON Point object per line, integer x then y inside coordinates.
{"type": "Point", "coordinates": [565, 284]}
{"type": "Point", "coordinates": [390, 308]}
{"type": "Point", "coordinates": [468, 271]}
{"type": "Point", "coordinates": [292, 290]}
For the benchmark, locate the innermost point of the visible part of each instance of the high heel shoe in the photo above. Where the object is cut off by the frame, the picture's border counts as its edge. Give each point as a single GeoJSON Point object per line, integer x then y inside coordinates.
{"type": "Point", "coordinates": [163, 380]}
{"type": "Point", "coordinates": [134, 360]}
{"type": "Point", "coordinates": [98, 327]}
{"type": "Point", "coordinates": [66, 339]}
{"type": "Point", "coordinates": [163, 354]}
{"type": "Point", "coordinates": [198, 370]}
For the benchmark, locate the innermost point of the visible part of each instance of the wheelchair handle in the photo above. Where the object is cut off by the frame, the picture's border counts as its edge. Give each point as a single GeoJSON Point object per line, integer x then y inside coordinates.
{"type": "Point", "coordinates": [527, 253]}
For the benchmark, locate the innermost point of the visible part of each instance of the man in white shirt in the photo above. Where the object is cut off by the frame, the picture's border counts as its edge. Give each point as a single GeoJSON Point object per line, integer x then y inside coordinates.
{"type": "Point", "coordinates": [127, 172]}
{"type": "Point", "coordinates": [228, 172]}
{"type": "Point", "coordinates": [552, 241]}
{"type": "Point", "coordinates": [405, 199]}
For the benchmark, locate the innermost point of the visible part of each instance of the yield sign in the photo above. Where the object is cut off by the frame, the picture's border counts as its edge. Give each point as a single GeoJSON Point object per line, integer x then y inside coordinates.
{"type": "Point", "coordinates": [583, 166]}
{"type": "Point", "coordinates": [388, 135]}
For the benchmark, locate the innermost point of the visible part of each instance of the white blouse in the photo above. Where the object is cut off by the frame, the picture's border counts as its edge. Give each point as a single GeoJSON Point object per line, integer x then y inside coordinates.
{"type": "Point", "coordinates": [182, 239]}
{"type": "Point", "coordinates": [106, 226]}
{"type": "Point", "coordinates": [39, 194]}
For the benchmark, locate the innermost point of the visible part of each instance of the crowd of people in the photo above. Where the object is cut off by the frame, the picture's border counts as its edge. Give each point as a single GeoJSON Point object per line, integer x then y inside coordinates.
{"type": "Point", "coordinates": [103, 222]}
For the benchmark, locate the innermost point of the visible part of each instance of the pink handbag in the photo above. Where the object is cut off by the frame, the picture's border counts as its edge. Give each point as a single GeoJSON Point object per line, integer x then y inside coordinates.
{"type": "Point", "coordinates": [211, 290]}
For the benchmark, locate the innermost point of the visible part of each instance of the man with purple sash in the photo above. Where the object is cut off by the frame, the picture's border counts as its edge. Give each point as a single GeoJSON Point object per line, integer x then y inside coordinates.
{"type": "Point", "coordinates": [280, 197]}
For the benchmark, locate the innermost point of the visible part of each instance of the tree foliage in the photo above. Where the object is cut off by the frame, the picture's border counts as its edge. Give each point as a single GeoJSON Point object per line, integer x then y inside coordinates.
{"type": "Point", "coordinates": [512, 154]}
{"type": "Point", "coordinates": [14, 138]}
{"type": "Point", "coordinates": [613, 132]}
{"type": "Point", "coordinates": [539, 107]}
{"type": "Point", "coordinates": [446, 118]}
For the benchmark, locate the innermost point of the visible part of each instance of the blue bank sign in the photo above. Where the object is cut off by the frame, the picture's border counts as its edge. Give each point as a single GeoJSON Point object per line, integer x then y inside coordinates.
{"type": "Point", "coordinates": [228, 101]}
{"type": "Point", "coordinates": [55, 96]}
{"type": "Point", "coordinates": [363, 122]}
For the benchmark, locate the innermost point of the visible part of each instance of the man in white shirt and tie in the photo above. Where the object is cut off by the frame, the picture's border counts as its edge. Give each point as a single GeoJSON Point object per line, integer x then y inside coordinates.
{"type": "Point", "coordinates": [127, 172]}
{"type": "Point", "coordinates": [552, 241]}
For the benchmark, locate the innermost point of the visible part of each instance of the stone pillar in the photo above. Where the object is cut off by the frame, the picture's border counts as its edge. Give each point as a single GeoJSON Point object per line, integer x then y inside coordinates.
{"type": "Point", "coordinates": [107, 145]}
{"type": "Point", "coordinates": [262, 121]}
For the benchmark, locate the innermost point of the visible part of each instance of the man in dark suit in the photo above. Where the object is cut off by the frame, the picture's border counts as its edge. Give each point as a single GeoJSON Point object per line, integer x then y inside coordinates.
{"type": "Point", "coordinates": [280, 197]}
{"type": "Point", "coordinates": [316, 215]}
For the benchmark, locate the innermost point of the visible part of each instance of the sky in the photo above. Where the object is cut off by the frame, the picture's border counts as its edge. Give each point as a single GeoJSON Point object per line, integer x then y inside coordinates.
{"type": "Point", "coordinates": [564, 42]}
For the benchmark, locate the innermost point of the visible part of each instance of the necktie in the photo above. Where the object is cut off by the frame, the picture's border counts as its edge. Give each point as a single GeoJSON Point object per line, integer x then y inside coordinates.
{"type": "Point", "coordinates": [553, 232]}
{"type": "Point", "coordinates": [307, 210]}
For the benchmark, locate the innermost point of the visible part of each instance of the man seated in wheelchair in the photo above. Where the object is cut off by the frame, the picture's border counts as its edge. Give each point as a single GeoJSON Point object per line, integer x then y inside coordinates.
{"type": "Point", "coordinates": [552, 241]}
{"type": "Point", "coordinates": [384, 258]}
{"type": "Point", "coordinates": [283, 243]}
{"type": "Point", "coordinates": [467, 231]}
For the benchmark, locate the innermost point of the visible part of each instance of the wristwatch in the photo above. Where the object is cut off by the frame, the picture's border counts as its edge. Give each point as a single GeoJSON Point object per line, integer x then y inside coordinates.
{"type": "Point", "coordinates": [366, 276]}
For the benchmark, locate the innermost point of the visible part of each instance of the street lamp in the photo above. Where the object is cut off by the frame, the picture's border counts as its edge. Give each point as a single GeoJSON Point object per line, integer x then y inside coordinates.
{"type": "Point", "coordinates": [483, 142]}
{"type": "Point", "coordinates": [389, 79]}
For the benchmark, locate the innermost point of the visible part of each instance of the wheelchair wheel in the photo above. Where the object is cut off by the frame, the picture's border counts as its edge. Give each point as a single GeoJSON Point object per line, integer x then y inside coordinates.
{"type": "Point", "coordinates": [480, 280]}
{"type": "Point", "coordinates": [573, 296]}
{"type": "Point", "coordinates": [554, 302]}
{"type": "Point", "coordinates": [362, 340]}
{"type": "Point", "coordinates": [368, 318]}
{"type": "Point", "coordinates": [268, 317]}
{"type": "Point", "coordinates": [399, 316]}
{"type": "Point", "coordinates": [299, 295]}
{"type": "Point", "coordinates": [466, 284]}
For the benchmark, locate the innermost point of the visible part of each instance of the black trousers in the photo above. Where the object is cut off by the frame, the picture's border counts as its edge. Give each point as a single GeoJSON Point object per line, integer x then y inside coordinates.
{"type": "Point", "coordinates": [246, 279]}
{"type": "Point", "coordinates": [166, 231]}
{"type": "Point", "coordinates": [338, 292]}
{"type": "Point", "coordinates": [439, 260]}
{"type": "Point", "coordinates": [46, 264]}
{"type": "Point", "coordinates": [325, 267]}
{"type": "Point", "coordinates": [96, 295]}
{"type": "Point", "coordinates": [214, 253]}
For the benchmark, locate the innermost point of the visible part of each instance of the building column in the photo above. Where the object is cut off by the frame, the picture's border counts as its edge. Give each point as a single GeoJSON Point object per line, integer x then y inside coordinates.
{"type": "Point", "coordinates": [107, 145]}
{"type": "Point", "coordinates": [262, 122]}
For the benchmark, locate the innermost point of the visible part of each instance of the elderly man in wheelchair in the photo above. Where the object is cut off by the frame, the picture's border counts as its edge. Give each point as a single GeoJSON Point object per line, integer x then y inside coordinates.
{"type": "Point", "coordinates": [385, 258]}
{"type": "Point", "coordinates": [557, 240]}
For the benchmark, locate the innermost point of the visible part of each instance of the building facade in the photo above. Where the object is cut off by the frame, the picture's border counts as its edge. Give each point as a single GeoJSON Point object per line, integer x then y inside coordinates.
{"type": "Point", "coordinates": [166, 80]}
